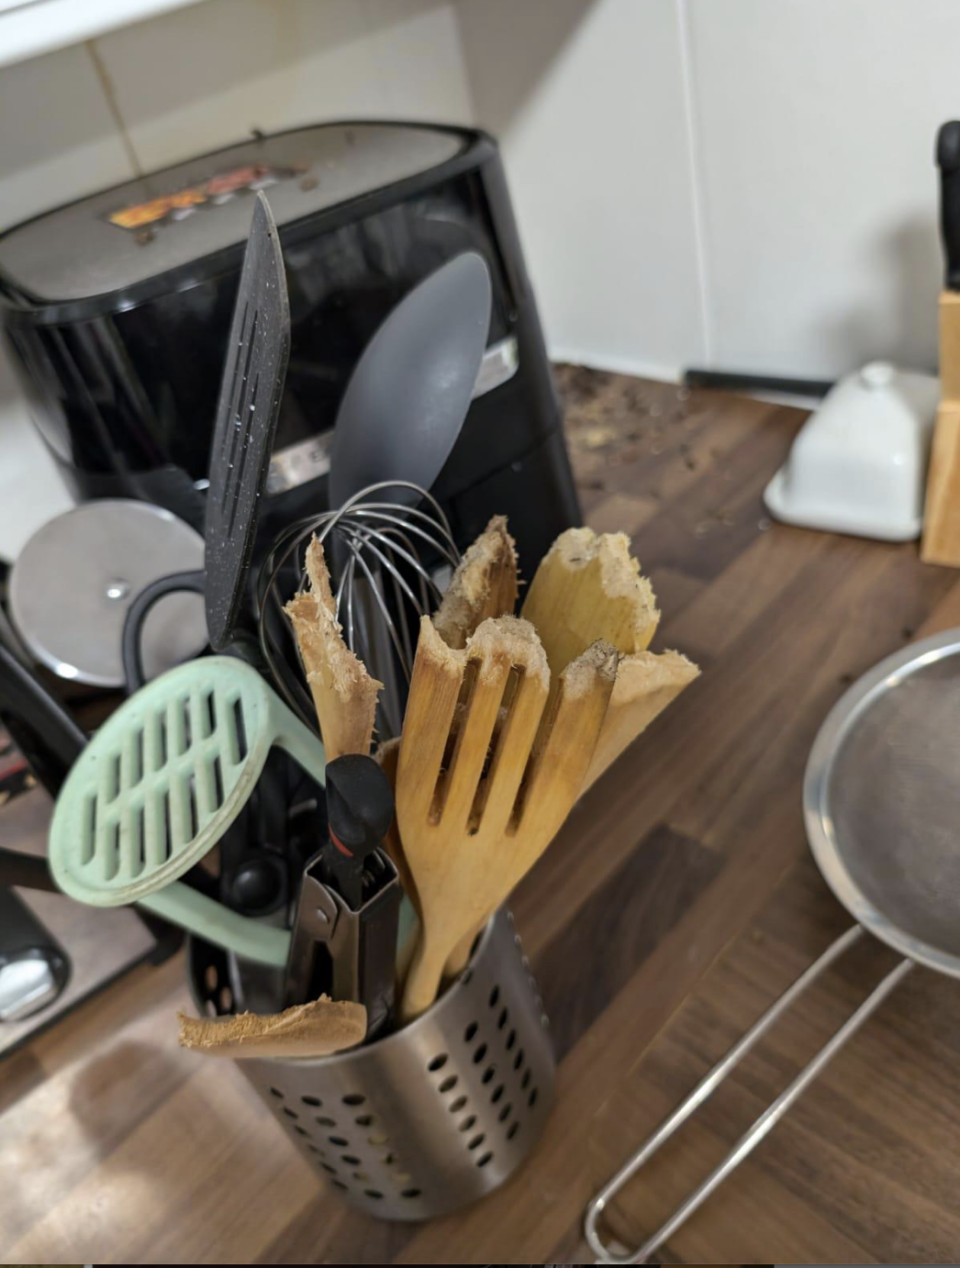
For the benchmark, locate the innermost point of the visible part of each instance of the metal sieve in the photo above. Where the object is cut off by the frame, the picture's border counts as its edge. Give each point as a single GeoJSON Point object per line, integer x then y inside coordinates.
{"type": "Point", "coordinates": [881, 799]}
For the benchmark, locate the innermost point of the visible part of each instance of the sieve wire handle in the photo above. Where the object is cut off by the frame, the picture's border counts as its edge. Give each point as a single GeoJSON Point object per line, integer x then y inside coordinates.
{"type": "Point", "coordinates": [195, 912]}
{"type": "Point", "coordinates": [709, 1084]}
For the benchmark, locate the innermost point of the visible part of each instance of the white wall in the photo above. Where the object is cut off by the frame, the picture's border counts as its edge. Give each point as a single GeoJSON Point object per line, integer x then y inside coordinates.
{"type": "Point", "coordinates": [815, 123]}
{"type": "Point", "coordinates": [743, 183]}
{"type": "Point", "coordinates": [588, 100]}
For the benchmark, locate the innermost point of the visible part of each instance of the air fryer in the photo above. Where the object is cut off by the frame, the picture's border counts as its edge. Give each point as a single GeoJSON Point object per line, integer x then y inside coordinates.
{"type": "Point", "coordinates": [117, 308]}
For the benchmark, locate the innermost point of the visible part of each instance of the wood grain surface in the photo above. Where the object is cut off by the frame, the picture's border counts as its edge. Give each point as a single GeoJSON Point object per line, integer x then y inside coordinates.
{"type": "Point", "coordinates": [677, 903]}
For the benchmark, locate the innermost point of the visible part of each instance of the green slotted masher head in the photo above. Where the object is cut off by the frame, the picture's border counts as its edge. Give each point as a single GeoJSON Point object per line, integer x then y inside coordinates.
{"type": "Point", "coordinates": [160, 783]}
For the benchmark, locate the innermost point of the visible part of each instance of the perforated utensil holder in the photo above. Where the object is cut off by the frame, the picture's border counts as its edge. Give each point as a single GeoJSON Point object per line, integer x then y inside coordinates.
{"type": "Point", "coordinates": [432, 1117]}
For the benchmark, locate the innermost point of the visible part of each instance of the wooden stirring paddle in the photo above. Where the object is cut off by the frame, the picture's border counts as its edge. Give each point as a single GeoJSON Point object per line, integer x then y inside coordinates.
{"type": "Point", "coordinates": [315, 1029]}
{"type": "Point", "coordinates": [482, 786]}
{"type": "Point", "coordinates": [344, 693]}
{"type": "Point", "coordinates": [485, 584]}
{"type": "Point", "coordinates": [589, 586]}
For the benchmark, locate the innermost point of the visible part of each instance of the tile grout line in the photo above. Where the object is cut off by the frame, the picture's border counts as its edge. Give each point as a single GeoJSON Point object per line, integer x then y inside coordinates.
{"type": "Point", "coordinates": [109, 92]}
{"type": "Point", "coordinates": [467, 65]}
{"type": "Point", "coordinates": [693, 151]}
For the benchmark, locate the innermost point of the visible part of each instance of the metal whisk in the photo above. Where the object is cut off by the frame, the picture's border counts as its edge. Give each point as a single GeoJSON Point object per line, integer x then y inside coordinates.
{"type": "Point", "coordinates": [390, 561]}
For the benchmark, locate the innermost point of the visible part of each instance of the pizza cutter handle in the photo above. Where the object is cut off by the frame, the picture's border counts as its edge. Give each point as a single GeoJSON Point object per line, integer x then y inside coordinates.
{"type": "Point", "coordinates": [250, 939]}
{"type": "Point", "coordinates": [709, 1084]}
{"type": "Point", "coordinates": [132, 641]}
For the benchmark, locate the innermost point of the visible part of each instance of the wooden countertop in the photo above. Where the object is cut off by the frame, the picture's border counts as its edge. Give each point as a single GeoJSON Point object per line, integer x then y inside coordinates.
{"type": "Point", "coordinates": [678, 902]}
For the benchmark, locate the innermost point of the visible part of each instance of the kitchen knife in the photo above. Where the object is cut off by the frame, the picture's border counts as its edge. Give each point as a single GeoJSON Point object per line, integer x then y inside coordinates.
{"type": "Point", "coordinates": [948, 160]}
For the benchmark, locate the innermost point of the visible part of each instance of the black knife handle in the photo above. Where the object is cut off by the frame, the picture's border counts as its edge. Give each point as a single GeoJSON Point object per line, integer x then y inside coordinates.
{"type": "Point", "coordinates": [359, 814]}
{"type": "Point", "coordinates": [948, 160]}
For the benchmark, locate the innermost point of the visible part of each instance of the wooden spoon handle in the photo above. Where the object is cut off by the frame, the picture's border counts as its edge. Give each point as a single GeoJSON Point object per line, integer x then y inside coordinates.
{"type": "Point", "coordinates": [405, 953]}
{"type": "Point", "coordinates": [459, 957]}
{"type": "Point", "coordinates": [423, 979]}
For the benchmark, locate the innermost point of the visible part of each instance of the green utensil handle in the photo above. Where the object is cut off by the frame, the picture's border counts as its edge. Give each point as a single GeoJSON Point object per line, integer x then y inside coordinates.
{"type": "Point", "coordinates": [299, 741]}
{"type": "Point", "coordinates": [201, 915]}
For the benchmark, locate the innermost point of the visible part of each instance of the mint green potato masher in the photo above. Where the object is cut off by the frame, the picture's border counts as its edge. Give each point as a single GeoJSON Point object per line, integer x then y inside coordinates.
{"type": "Point", "coordinates": [160, 783]}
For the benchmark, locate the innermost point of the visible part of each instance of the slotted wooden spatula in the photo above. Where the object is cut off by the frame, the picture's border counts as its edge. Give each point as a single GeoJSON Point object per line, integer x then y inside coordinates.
{"type": "Point", "coordinates": [485, 778]}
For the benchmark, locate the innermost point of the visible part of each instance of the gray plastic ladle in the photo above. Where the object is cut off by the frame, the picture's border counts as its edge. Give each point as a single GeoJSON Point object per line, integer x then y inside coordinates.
{"type": "Point", "coordinates": [401, 414]}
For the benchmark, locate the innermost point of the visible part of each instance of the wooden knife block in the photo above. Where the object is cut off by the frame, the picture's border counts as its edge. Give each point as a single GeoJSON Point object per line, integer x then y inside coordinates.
{"type": "Point", "coordinates": [941, 523]}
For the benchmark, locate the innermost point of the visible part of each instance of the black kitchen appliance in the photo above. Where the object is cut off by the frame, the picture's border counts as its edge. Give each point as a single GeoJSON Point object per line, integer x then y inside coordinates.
{"type": "Point", "coordinates": [117, 308]}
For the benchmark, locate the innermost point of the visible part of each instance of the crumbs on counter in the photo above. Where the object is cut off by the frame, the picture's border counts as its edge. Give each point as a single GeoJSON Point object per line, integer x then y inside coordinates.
{"type": "Point", "coordinates": [615, 421]}
{"type": "Point", "coordinates": [15, 776]}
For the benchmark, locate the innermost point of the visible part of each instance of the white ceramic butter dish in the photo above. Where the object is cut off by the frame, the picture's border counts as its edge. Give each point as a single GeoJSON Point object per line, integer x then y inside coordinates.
{"type": "Point", "coordinates": [859, 465]}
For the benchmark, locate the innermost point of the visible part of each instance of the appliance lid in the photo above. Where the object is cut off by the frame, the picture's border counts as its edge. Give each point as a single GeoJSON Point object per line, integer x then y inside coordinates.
{"type": "Point", "coordinates": [115, 239]}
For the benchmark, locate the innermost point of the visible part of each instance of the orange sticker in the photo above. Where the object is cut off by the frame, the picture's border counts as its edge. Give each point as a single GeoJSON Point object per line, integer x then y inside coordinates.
{"type": "Point", "coordinates": [231, 182]}
{"type": "Point", "coordinates": [157, 208]}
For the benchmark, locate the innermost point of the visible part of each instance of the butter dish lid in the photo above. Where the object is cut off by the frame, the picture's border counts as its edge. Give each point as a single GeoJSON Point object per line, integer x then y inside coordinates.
{"type": "Point", "coordinates": [859, 463]}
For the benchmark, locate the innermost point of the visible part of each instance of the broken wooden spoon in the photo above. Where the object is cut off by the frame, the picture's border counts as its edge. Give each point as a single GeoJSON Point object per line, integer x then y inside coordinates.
{"type": "Point", "coordinates": [308, 1030]}
{"type": "Point", "coordinates": [482, 788]}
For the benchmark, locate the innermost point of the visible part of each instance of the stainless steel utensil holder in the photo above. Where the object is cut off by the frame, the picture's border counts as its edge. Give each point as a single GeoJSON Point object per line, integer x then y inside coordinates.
{"type": "Point", "coordinates": [434, 1116]}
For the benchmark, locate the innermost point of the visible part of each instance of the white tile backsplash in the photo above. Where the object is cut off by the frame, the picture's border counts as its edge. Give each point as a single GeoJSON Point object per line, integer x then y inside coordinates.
{"type": "Point", "coordinates": [205, 76]}
{"type": "Point", "coordinates": [58, 140]}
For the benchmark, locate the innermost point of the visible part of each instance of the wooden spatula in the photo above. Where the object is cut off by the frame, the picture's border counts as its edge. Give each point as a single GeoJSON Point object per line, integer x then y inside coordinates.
{"type": "Point", "coordinates": [485, 584]}
{"type": "Point", "coordinates": [315, 1029]}
{"type": "Point", "coordinates": [589, 586]}
{"type": "Point", "coordinates": [646, 683]}
{"type": "Point", "coordinates": [482, 786]}
{"type": "Point", "coordinates": [344, 693]}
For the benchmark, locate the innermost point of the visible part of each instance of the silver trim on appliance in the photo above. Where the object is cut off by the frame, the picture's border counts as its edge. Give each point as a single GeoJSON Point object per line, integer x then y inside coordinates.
{"type": "Point", "coordinates": [309, 459]}
{"type": "Point", "coordinates": [296, 464]}
{"type": "Point", "coordinates": [500, 363]}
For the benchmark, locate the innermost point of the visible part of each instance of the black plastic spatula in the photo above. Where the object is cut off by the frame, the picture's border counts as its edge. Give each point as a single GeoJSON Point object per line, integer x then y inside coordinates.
{"type": "Point", "coordinates": [246, 421]}
{"type": "Point", "coordinates": [247, 412]}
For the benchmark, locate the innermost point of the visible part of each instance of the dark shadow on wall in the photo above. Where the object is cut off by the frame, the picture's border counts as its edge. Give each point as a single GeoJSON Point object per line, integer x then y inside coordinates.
{"type": "Point", "coordinates": [914, 256]}
{"type": "Point", "coordinates": [522, 41]}
{"type": "Point", "coordinates": [283, 34]}
{"type": "Point", "coordinates": [61, 100]}
{"type": "Point", "coordinates": [903, 331]}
